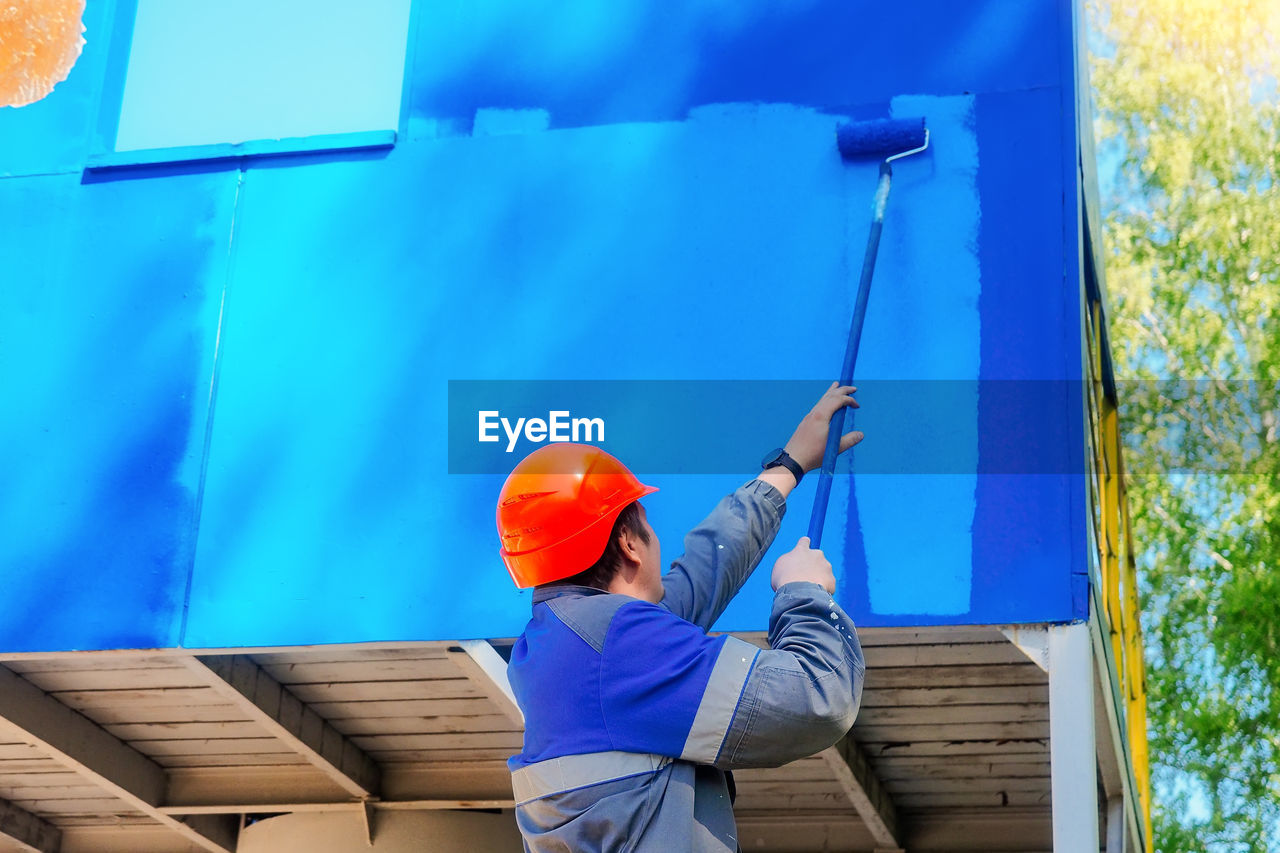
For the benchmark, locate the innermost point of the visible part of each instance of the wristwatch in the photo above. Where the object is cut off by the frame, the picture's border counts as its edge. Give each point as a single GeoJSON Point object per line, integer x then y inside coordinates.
{"type": "Point", "coordinates": [774, 458]}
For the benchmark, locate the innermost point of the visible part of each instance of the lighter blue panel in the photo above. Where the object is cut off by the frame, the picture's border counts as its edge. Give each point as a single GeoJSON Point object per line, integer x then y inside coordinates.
{"type": "Point", "coordinates": [107, 326]}
{"type": "Point", "coordinates": [236, 70]}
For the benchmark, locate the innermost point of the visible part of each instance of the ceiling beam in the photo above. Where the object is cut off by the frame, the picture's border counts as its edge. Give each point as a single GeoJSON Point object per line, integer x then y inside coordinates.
{"type": "Point", "coordinates": [241, 681]}
{"type": "Point", "coordinates": [75, 741]}
{"type": "Point", "coordinates": [481, 663]}
{"type": "Point", "coordinates": [865, 791]}
{"type": "Point", "coordinates": [29, 831]}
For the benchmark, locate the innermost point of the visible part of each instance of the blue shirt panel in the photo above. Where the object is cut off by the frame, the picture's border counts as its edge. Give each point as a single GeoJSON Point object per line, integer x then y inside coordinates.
{"type": "Point", "coordinates": [555, 676]}
{"type": "Point", "coordinates": [655, 669]}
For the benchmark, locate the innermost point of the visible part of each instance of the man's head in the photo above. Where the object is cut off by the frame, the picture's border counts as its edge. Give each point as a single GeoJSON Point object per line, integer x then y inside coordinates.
{"type": "Point", "coordinates": [558, 516]}
{"type": "Point", "coordinates": [632, 560]}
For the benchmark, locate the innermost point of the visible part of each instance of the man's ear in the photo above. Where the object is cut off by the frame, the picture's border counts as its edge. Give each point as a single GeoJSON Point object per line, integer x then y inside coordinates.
{"type": "Point", "coordinates": [630, 545]}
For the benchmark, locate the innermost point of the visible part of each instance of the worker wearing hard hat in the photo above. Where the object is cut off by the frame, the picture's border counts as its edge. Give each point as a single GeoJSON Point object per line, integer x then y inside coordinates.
{"type": "Point", "coordinates": [633, 714]}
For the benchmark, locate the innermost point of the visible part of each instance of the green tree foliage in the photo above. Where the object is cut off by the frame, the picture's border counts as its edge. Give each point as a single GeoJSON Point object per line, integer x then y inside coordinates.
{"type": "Point", "coordinates": [1186, 99]}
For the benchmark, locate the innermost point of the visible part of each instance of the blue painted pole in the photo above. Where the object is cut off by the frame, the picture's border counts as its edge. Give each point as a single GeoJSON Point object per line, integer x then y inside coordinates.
{"type": "Point", "coordinates": [836, 429]}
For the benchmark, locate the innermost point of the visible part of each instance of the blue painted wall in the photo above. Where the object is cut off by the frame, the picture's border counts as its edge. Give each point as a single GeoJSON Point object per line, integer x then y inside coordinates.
{"type": "Point", "coordinates": [230, 379]}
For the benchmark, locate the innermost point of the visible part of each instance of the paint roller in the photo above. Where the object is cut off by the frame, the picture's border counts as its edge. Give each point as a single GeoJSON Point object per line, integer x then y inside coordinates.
{"type": "Point", "coordinates": [896, 138]}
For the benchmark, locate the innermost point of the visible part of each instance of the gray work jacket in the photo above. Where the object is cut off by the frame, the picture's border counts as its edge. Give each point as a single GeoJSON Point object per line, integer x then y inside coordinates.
{"type": "Point", "coordinates": [633, 714]}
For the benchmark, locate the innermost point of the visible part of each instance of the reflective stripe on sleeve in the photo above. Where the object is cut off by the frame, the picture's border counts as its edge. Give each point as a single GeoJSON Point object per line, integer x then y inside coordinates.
{"type": "Point", "coordinates": [719, 700]}
{"type": "Point", "coordinates": [570, 772]}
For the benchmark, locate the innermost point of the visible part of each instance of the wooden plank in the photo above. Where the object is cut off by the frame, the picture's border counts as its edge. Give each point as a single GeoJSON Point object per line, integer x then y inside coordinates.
{"type": "Point", "coordinates": [942, 696]}
{"type": "Point", "coordinates": [86, 664]}
{"type": "Point", "coordinates": [956, 676]}
{"type": "Point", "coordinates": [930, 635]}
{"type": "Point", "coordinates": [82, 700]}
{"type": "Point", "coordinates": [206, 786]}
{"type": "Point", "coordinates": [25, 767]}
{"type": "Point", "coordinates": [116, 819]}
{"type": "Point", "coordinates": [837, 834]}
{"type": "Point", "coordinates": [21, 751]}
{"type": "Point", "coordinates": [55, 775]}
{"type": "Point", "coordinates": [360, 691]}
{"type": "Point", "coordinates": [486, 781]}
{"type": "Point", "coordinates": [1011, 829]}
{"type": "Point", "coordinates": [956, 732]}
{"type": "Point", "coordinates": [99, 806]}
{"type": "Point", "coordinates": [172, 714]}
{"type": "Point", "coordinates": [1004, 746]}
{"type": "Point", "coordinates": [111, 679]}
{"type": "Point", "coordinates": [951, 714]}
{"type": "Point", "coordinates": [424, 725]}
{"type": "Point", "coordinates": [956, 654]}
{"type": "Point", "coordinates": [119, 839]}
{"type": "Point", "coordinates": [985, 799]}
{"type": "Point", "coordinates": [761, 788]}
{"type": "Point", "coordinates": [955, 767]}
{"type": "Point", "coordinates": [1024, 784]}
{"type": "Point", "coordinates": [245, 759]}
{"type": "Point", "coordinates": [486, 740]}
{"type": "Point", "coordinates": [361, 671]}
{"type": "Point", "coordinates": [185, 731]}
{"type": "Point", "coordinates": [379, 709]}
{"type": "Point", "coordinates": [831, 803]}
{"type": "Point", "coordinates": [28, 793]}
{"type": "Point", "coordinates": [242, 746]}
{"type": "Point", "coordinates": [429, 756]}
{"type": "Point", "coordinates": [341, 654]}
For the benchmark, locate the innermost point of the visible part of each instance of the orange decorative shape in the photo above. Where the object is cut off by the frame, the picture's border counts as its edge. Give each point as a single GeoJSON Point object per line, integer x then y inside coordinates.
{"type": "Point", "coordinates": [40, 41]}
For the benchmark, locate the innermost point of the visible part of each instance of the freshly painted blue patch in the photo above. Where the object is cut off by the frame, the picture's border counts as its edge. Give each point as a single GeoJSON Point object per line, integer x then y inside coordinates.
{"type": "Point", "coordinates": [923, 323]}
{"type": "Point", "coordinates": [628, 60]}
{"type": "Point", "coordinates": [1030, 309]}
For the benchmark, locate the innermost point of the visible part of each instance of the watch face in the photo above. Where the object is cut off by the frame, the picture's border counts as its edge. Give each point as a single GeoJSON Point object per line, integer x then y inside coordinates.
{"type": "Point", "coordinates": [771, 458]}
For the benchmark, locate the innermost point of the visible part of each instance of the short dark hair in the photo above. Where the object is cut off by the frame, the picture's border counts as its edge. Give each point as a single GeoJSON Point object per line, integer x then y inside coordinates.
{"type": "Point", "coordinates": [601, 573]}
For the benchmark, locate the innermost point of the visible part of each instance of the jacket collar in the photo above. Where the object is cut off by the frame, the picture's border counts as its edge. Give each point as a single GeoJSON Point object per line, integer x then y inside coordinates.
{"type": "Point", "coordinates": [547, 593]}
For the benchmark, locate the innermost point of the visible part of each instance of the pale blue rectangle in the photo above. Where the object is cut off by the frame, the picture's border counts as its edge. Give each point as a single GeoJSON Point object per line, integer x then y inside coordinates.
{"type": "Point", "coordinates": [236, 70]}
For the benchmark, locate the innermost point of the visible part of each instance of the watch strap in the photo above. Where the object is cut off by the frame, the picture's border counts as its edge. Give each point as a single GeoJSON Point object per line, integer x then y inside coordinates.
{"type": "Point", "coordinates": [784, 460]}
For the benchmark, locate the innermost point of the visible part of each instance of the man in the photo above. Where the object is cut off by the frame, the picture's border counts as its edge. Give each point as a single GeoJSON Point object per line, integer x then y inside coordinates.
{"type": "Point", "coordinates": [633, 714]}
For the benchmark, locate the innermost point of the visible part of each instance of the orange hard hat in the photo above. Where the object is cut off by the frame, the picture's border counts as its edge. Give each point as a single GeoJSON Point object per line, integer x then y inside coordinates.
{"type": "Point", "coordinates": [557, 509]}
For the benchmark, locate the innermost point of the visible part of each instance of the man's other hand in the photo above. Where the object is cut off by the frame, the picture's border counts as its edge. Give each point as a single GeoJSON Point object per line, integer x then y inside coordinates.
{"type": "Point", "coordinates": [803, 563]}
{"type": "Point", "coordinates": [809, 441]}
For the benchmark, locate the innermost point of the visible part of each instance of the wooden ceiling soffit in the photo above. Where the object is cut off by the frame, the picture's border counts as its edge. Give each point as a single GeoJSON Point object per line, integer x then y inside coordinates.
{"type": "Point", "coordinates": [865, 791]}
{"type": "Point", "coordinates": [241, 681]}
{"type": "Point", "coordinates": [75, 741]}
